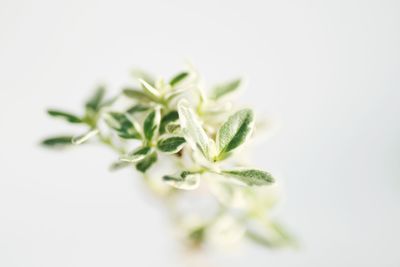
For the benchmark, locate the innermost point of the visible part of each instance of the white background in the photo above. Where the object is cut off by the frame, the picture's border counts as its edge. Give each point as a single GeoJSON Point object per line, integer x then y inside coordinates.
{"type": "Point", "coordinates": [327, 70]}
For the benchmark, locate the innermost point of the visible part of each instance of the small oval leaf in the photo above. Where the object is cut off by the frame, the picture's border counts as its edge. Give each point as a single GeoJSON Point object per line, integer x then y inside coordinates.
{"type": "Point", "coordinates": [250, 176]}
{"type": "Point", "coordinates": [234, 132]}
{"type": "Point", "coordinates": [171, 144]}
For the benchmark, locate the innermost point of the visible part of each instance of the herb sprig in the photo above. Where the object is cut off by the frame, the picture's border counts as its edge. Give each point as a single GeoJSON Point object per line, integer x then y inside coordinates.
{"type": "Point", "coordinates": [201, 135]}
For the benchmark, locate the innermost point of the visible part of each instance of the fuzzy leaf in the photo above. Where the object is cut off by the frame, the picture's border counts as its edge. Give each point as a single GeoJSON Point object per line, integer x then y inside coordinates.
{"type": "Point", "coordinates": [194, 132]}
{"type": "Point", "coordinates": [57, 141]}
{"type": "Point", "coordinates": [178, 78]}
{"type": "Point", "coordinates": [234, 132]}
{"type": "Point", "coordinates": [185, 180]}
{"type": "Point", "coordinates": [93, 104]}
{"type": "Point", "coordinates": [170, 117]}
{"type": "Point", "coordinates": [64, 115]}
{"type": "Point", "coordinates": [147, 162]}
{"type": "Point", "coordinates": [250, 176]}
{"type": "Point", "coordinates": [224, 89]}
{"type": "Point", "coordinates": [171, 144]}
{"type": "Point", "coordinates": [123, 125]}
{"type": "Point", "coordinates": [136, 155]}
{"type": "Point", "coordinates": [151, 124]}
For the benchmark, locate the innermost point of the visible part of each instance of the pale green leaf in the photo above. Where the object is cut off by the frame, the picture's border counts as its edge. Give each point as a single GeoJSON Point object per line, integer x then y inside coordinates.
{"type": "Point", "coordinates": [80, 139]}
{"type": "Point", "coordinates": [224, 89]}
{"type": "Point", "coordinates": [194, 133]}
{"type": "Point", "coordinates": [152, 92]}
{"type": "Point", "coordinates": [136, 155]}
{"type": "Point", "coordinates": [136, 94]}
{"type": "Point", "coordinates": [250, 176]}
{"type": "Point", "coordinates": [234, 132]}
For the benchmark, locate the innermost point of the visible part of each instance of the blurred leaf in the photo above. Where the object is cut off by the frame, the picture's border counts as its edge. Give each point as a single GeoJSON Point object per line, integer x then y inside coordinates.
{"type": "Point", "coordinates": [178, 78]}
{"type": "Point", "coordinates": [224, 89]}
{"type": "Point", "coordinates": [80, 139]}
{"type": "Point", "coordinates": [136, 155]}
{"type": "Point", "coordinates": [144, 75]}
{"type": "Point", "coordinates": [150, 90]}
{"type": "Point", "coordinates": [197, 235]}
{"type": "Point", "coordinates": [123, 125]}
{"type": "Point", "coordinates": [234, 132]}
{"type": "Point", "coordinates": [57, 141]}
{"type": "Point", "coordinates": [118, 165]}
{"type": "Point", "coordinates": [250, 176]}
{"type": "Point", "coordinates": [185, 180]}
{"type": "Point", "coordinates": [136, 94]}
{"type": "Point", "coordinates": [147, 162]}
{"type": "Point", "coordinates": [93, 104]}
{"type": "Point", "coordinates": [64, 115]}
{"type": "Point", "coordinates": [171, 144]}
{"type": "Point", "coordinates": [137, 108]}
{"type": "Point", "coordinates": [170, 117]}
{"type": "Point", "coordinates": [194, 132]}
{"type": "Point", "coordinates": [151, 124]}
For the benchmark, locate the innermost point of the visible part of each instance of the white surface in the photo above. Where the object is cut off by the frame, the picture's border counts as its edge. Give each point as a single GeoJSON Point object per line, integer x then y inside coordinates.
{"type": "Point", "coordinates": [329, 70]}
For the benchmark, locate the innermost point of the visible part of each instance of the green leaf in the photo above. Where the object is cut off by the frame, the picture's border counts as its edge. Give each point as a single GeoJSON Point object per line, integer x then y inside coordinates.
{"type": "Point", "coordinates": [150, 90]}
{"type": "Point", "coordinates": [194, 133]}
{"type": "Point", "coordinates": [137, 108]}
{"type": "Point", "coordinates": [234, 132]}
{"type": "Point", "coordinates": [170, 117]}
{"type": "Point", "coordinates": [123, 125]}
{"type": "Point", "coordinates": [151, 124]}
{"type": "Point", "coordinates": [224, 89]}
{"type": "Point", "coordinates": [57, 141]}
{"type": "Point", "coordinates": [185, 180]}
{"type": "Point", "coordinates": [93, 104]}
{"type": "Point", "coordinates": [171, 144]}
{"type": "Point", "coordinates": [64, 115]}
{"type": "Point", "coordinates": [250, 176]}
{"type": "Point", "coordinates": [136, 94]}
{"type": "Point", "coordinates": [136, 155]}
{"type": "Point", "coordinates": [80, 139]}
{"type": "Point", "coordinates": [147, 162]}
{"type": "Point", "coordinates": [178, 78]}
